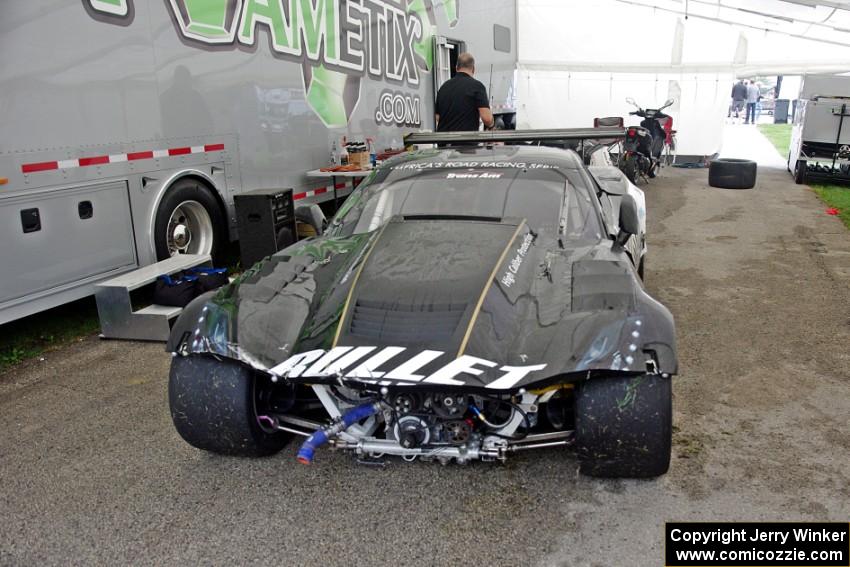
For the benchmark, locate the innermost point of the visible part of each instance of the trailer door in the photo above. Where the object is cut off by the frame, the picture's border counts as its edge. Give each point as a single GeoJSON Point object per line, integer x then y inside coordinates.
{"type": "Point", "coordinates": [445, 60]}
{"type": "Point", "coordinates": [64, 237]}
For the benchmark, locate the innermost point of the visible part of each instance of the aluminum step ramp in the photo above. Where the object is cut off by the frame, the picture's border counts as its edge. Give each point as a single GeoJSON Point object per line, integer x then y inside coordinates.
{"type": "Point", "coordinates": [151, 323]}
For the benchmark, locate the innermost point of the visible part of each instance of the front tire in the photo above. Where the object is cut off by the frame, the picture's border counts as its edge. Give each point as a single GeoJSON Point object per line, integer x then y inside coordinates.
{"type": "Point", "coordinates": [214, 407]}
{"type": "Point", "coordinates": [624, 426]}
{"type": "Point", "coordinates": [188, 221]}
{"type": "Point", "coordinates": [670, 154]}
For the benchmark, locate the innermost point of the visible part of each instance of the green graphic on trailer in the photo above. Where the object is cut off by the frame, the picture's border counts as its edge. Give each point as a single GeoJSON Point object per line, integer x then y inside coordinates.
{"type": "Point", "coordinates": [337, 42]}
{"type": "Point", "coordinates": [111, 7]}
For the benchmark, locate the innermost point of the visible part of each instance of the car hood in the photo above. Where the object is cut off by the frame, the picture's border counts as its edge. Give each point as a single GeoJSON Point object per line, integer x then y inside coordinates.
{"type": "Point", "coordinates": [473, 303]}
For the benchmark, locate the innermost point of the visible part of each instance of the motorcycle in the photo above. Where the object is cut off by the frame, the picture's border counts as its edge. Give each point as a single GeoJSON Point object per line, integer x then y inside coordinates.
{"type": "Point", "coordinates": [643, 145]}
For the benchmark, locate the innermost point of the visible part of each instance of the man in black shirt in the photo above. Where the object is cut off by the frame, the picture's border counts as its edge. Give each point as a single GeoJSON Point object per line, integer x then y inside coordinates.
{"type": "Point", "coordinates": [462, 101]}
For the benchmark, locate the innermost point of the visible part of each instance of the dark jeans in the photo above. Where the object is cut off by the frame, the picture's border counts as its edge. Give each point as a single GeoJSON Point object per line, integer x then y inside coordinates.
{"type": "Point", "coordinates": [751, 113]}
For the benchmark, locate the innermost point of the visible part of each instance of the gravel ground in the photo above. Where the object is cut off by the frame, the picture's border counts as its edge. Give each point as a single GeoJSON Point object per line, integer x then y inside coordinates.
{"type": "Point", "coordinates": [92, 472]}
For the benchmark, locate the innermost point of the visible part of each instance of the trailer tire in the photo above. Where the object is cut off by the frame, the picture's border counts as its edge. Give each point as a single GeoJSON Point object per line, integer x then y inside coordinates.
{"type": "Point", "coordinates": [624, 426]}
{"type": "Point", "coordinates": [213, 406]}
{"type": "Point", "coordinates": [189, 220]}
{"type": "Point", "coordinates": [729, 173]}
{"type": "Point", "coordinates": [800, 171]}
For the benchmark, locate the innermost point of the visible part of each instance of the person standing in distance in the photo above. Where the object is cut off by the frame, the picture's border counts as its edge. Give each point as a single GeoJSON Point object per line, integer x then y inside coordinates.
{"type": "Point", "coordinates": [752, 99]}
{"type": "Point", "coordinates": [462, 100]}
{"type": "Point", "coordinates": [739, 97]}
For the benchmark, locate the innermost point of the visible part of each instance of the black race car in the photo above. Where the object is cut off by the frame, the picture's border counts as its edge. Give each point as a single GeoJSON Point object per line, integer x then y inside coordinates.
{"type": "Point", "coordinates": [464, 303]}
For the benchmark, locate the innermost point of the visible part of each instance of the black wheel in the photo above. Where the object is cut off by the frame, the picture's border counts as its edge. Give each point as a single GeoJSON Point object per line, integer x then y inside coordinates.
{"type": "Point", "coordinates": [215, 403]}
{"type": "Point", "coordinates": [729, 173]}
{"type": "Point", "coordinates": [624, 426]}
{"type": "Point", "coordinates": [188, 221]}
{"type": "Point", "coordinates": [800, 172]}
{"type": "Point", "coordinates": [629, 168]}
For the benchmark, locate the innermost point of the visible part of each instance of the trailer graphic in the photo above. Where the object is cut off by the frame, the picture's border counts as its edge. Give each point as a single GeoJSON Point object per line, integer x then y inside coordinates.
{"type": "Point", "coordinates": [129, 125]}
{"type": "Point", "coordinates": [337, 38]}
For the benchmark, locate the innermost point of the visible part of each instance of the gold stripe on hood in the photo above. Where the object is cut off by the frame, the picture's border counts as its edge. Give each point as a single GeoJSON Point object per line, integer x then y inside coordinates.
{"type": "Point", "coordinates": [487, 285]}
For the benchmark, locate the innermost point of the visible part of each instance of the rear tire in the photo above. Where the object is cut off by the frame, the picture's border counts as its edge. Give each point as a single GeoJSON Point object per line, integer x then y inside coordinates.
{"type": "Point", "coordinates": [653, 168]}
{"type": "Point", "coordinates": [624, 426]}
{"type": "Point", "coordinates": [629, 168]}
{"type": "Point", "coordinates": [729, 173]}
{"type": "Point", "coordinates": [214, 407]}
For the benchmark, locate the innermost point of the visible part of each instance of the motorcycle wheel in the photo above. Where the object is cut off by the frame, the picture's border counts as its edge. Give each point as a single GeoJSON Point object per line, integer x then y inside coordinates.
{"type": "Point", "coordinates": [670, 154]}
{"type": "Point", "coordinates": [629, 168]}
{"type": "Point", "coordinates": [652, 169]}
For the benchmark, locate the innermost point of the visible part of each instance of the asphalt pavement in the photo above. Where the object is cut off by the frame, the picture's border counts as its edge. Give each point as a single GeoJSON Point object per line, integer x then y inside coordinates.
{"type": "Point", "coordinates": [92, 471]}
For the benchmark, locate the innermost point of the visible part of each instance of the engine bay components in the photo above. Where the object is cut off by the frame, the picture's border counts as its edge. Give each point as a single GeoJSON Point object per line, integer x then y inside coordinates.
{"type": "Point", "coordinates": [442, 426]}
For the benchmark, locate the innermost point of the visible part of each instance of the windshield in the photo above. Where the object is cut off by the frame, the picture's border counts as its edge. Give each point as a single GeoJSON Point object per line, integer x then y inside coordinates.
{"type": "Point", "coordinates": [548, 200]}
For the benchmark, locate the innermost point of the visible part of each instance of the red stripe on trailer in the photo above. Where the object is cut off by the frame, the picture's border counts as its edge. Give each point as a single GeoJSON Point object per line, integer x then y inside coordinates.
{"type": "Point", "coordinates": [103, 160]}
{"type": "Point", "coordinates": [298, 196]}
{"type": "Point", "coordinates": [93, 160]}
{"type": "Point", "coordinates": [43, 166]}
{"type": "Point", "coordinates": [320, 190]}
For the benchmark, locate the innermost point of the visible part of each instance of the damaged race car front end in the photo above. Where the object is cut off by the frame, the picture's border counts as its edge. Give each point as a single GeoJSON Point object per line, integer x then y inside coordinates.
{"type": "Point", "coordinates": [424, 328]}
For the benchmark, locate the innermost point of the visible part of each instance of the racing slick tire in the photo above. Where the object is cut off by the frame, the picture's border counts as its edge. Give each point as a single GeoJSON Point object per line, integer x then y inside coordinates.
{"type": "Point", "coordinates": [214, 407]}
{"type": "Point", "coordinates": [729, 173]}
{"type": "Point", "coordinates": [189, 221]}
{"type": "Point", "coordinates": [624, 426]}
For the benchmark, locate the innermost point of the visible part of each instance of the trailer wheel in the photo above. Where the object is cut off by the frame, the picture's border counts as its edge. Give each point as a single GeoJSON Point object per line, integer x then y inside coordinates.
{"type": "Point", "coordinates": [624, 426]}
{"type": "Point", "coordinates": [188, 221]}
{"type": "Point", "coordinates": [800, 171]}
{"type": "Point", "coordinates": [729, 173]}
{"type": "Point", "coordinates": [214, 406]}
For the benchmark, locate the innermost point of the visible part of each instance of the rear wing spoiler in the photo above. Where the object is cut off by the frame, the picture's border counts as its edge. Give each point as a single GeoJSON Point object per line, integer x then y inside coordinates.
{"type": "Point", "coordinates": [514, 136]}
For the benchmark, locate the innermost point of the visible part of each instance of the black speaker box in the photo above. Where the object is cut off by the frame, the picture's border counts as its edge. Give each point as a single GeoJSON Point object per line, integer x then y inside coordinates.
{"type": "Point", "coordinates": [266, 222]}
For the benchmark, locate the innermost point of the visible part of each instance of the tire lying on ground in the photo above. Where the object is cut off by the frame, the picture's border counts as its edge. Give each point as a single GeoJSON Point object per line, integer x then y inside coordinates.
{"type": "Point", "coordinates": [729, 173]}
{"type": "Point", "coordinates": [214, 406]}
{"type": "Point", "coordinates": [624, 426]}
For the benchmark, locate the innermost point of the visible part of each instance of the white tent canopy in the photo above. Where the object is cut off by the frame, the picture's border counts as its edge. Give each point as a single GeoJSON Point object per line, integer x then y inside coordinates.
{"type": "Point", "coordinates": [580, 59]}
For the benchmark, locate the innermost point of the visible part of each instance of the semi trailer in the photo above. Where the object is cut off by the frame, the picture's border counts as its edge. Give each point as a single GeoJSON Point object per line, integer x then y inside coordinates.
{"type": "Point", "coordinates": [129, 125]}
